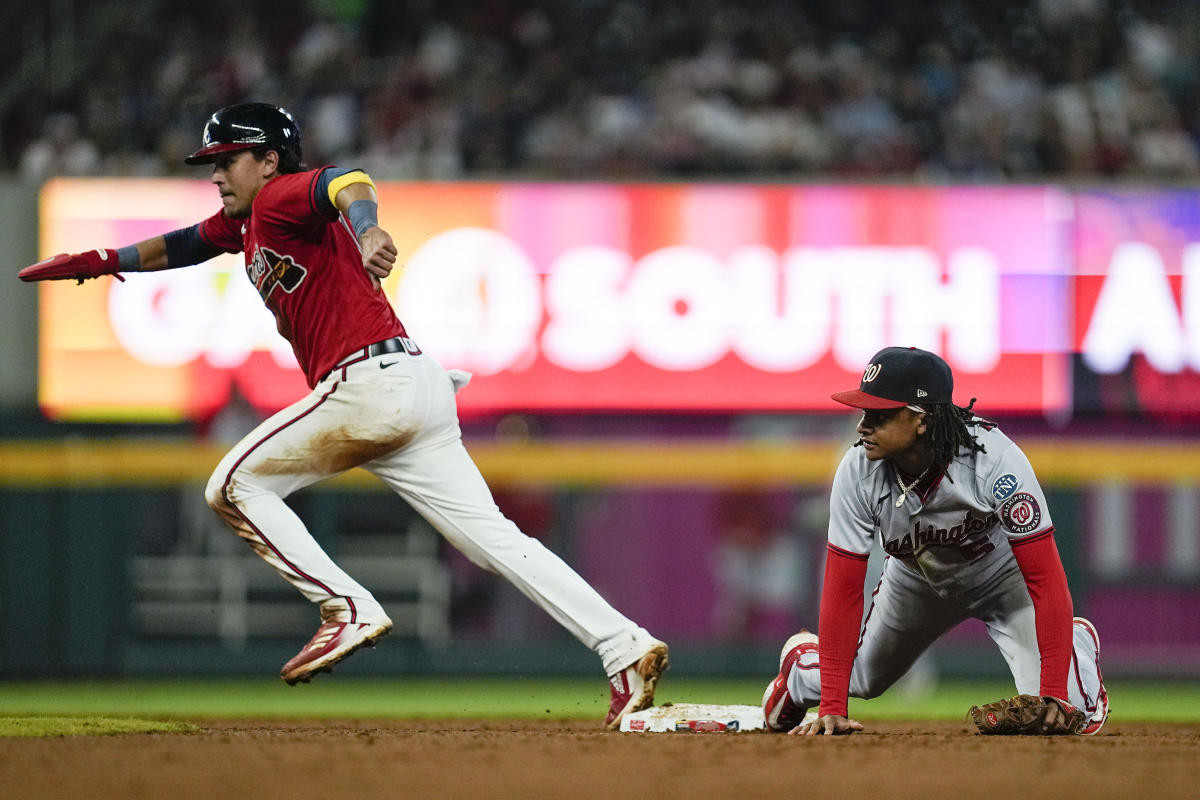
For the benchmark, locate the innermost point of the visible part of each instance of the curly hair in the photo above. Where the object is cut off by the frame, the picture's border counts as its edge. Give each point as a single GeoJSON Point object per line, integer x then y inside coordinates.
{"type": "Point", "coordinates": [948, 428]}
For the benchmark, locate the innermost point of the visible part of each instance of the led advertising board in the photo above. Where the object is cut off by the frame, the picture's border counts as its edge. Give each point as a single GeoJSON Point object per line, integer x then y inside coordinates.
{"type": "Point", "coordinates": [590, 297]}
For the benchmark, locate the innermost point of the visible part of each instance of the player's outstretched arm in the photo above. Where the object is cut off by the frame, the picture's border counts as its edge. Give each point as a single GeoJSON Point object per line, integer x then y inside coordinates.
{"type": "Point", "coordinates": [152, 254]}
{"type": "Point", "coordinates": [179, 248]}
{"type": "Point", "coordinates": [830, 724]}
{"type": "Point", "coordinates": [144, 256]}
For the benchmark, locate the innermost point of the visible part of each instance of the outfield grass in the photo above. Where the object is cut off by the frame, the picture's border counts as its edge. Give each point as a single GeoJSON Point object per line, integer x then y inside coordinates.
{"type": "Point", "coordinates": [474, 698]}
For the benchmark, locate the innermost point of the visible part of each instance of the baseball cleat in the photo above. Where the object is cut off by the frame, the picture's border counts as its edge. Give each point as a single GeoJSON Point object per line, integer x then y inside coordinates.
{"type": "Point", "coordinates": [332, 642]}
{"type": "Point", "coordinates": [1096, 721]}
{"type": "Point", "coordinates": [780, 712]}
{"type": "Point", "coordinates": [633, 687]}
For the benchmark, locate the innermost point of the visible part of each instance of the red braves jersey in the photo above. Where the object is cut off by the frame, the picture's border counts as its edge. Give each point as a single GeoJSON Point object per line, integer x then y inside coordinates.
{"type": "Point", "coordinates": [304, 260]}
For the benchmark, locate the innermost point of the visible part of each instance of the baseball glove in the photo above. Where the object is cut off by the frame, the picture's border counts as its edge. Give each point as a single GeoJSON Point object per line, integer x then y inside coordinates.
{"type": "Point", "coordinates": [91, 264]}
{"type": "Point", "coordinates": [1027, 715]}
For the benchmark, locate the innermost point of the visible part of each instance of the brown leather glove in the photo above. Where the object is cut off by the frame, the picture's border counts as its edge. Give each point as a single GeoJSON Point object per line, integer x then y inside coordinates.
{"type": "Point", "coordinates": [1027, 715]}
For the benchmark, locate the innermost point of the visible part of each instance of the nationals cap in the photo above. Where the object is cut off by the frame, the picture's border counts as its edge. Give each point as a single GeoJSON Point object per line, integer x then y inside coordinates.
{"type": "Point", "coordinates": [899, 376]}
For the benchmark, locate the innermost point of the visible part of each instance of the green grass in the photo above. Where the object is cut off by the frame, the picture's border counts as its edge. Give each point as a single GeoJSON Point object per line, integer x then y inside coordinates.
{"type": "Point", "coordinates": [474, 698]}
{"type": "Point", "coordinates": [35, 727]}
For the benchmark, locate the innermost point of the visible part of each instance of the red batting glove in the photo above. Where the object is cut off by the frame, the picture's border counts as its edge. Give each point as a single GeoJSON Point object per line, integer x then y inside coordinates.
{"type": "Point", "coordinates": [82, 266]}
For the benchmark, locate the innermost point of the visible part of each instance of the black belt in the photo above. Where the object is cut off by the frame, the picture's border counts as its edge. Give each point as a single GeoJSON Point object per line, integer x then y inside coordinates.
{"type": "Point", "coordinates": [397, 344]}
{"type": "Point", "coordinates": [393, 345]}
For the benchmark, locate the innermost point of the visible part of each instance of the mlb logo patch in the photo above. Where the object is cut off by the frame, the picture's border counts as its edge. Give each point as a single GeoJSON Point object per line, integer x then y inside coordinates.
{"type": "Point", "coordinates": [1004, 486]}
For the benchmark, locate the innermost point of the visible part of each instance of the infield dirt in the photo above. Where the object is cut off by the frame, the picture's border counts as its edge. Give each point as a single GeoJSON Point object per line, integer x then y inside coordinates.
{"type": "Point", "coordinates": [574, 759]}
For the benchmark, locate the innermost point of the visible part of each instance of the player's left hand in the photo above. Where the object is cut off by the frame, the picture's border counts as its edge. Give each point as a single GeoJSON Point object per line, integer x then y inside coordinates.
{"type": "Point", "coordinates": [378, 253]}
{"type": "Point", "coordinates": [1029, 715]}
{"type": "Point", "coordinates": [830, 724]}
{"type": "Point", "coordinates": [78, 266]}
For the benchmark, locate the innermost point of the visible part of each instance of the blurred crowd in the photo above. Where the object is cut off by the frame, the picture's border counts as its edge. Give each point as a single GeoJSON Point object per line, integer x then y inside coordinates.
{"type": "Point", "coordinates": [937, 90]}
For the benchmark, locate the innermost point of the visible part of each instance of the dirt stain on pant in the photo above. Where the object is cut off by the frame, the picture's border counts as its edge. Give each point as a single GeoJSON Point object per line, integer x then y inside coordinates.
{"type": "Point", "coordinates": [334, 451]}
{"type": "Point", "coordinates": [229, 514]}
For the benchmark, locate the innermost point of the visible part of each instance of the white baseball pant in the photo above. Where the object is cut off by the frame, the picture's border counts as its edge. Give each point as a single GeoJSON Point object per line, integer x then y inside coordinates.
{"type": "Point", "coordinates": [395, 416]}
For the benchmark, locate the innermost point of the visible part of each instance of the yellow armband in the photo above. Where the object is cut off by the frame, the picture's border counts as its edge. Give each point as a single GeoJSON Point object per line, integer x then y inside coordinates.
{"type": "Point", "coordinates": [342, 181]}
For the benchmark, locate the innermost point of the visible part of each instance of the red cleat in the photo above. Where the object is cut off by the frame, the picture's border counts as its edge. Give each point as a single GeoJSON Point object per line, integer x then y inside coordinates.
{"type": "Point", "coordinates": [332, 642]}
{"type": "Point", "coordinates": [633, 687]}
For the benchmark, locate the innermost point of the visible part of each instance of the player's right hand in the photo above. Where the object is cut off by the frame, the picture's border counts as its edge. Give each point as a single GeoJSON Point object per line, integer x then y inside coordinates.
{"type": "Point", "coordinates": [830, 724]}
{"type": "Point", "coordinates": [378, 253]}
{"type": "Point", "coordinates": [80, 267]}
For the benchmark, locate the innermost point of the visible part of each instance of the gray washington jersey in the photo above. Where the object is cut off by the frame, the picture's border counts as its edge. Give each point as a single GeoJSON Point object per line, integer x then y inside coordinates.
{"type": "Point", "coordinates": [957, 534]}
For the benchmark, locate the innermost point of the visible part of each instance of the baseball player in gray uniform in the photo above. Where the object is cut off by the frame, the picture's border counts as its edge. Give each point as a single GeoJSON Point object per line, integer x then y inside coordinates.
{"type": "Point", "coordinates": [964, 525]}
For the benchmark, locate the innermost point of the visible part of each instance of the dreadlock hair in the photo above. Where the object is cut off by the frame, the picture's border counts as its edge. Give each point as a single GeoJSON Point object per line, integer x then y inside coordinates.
{"type": "Point", "coordinates": [948, 431]}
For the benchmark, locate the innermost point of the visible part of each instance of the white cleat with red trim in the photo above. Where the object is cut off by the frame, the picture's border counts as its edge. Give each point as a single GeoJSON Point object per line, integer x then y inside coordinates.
{"type": "Point", "coordinates": [779, 710]}
{"type": "Point", "coordinates": [1096, 721]}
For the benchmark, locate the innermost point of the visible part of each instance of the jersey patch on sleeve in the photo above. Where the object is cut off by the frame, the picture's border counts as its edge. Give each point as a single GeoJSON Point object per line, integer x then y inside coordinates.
{"type": "Point", "coordinates": [1021, 513]}
{"type": "Point", "coordinates": [1004, 486]}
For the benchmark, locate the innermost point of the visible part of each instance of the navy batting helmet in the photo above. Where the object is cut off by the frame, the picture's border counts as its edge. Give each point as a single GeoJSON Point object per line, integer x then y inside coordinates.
{"type": "Point", "coordinates": [248, 126]}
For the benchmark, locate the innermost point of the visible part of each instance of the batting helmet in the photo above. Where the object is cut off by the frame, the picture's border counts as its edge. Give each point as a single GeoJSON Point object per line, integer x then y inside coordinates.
{"type": "Point", "coordinates": [248, 126]}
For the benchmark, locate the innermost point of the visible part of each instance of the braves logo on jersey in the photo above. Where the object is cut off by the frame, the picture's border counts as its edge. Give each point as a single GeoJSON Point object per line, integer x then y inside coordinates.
{"type": "Point", "coordinates": [268, 270]}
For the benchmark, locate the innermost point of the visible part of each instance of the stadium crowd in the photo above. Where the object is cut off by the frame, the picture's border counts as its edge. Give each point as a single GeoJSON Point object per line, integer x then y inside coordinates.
{"type": "Point", "coordinates": [926, 90]}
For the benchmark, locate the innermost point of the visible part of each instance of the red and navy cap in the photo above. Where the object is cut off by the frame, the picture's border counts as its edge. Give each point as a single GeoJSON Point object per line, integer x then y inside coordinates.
{"type": "Point", "coordinates": [901, 376]}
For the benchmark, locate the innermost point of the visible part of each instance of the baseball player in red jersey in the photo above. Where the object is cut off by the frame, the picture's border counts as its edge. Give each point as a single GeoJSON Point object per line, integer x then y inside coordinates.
{"type": "Point", "coordinates": [960, 514]}
{"type": "Point", "coordinates": [316, 255]}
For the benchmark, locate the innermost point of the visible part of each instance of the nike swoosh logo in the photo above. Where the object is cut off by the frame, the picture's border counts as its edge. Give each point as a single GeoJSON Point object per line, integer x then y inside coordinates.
{"type": "Point", "coordinates": [388, 364]}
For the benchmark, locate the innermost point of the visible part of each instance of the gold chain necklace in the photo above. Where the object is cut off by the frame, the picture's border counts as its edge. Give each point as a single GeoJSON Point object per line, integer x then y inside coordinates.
{"type": "Point", "coordinates": [904, 490]}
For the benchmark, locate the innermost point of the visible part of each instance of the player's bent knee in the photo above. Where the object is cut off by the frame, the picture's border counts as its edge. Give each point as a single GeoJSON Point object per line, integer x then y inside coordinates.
{"type": "Point", "coordinates": [214, 493]}
{"type": "Point", "coordinates": [221, 496]}
{"type": "Point", "coordinates": [873, 688]}
{"type": "Point", "coordinates": [869, 694]}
